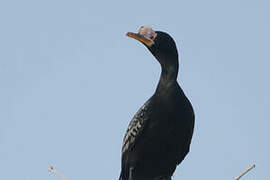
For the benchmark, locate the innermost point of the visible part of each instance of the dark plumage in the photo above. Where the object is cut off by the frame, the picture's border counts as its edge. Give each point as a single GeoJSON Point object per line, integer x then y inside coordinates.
{"type": "Point", "coordinates": [159, 136]}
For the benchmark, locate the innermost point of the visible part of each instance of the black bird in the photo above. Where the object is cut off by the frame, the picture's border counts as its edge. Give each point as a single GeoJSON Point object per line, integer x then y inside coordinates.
{"type": "Point", "coordinates": [159, 136]}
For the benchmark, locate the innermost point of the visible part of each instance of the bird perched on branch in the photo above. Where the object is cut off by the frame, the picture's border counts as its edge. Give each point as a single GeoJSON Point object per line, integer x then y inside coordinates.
{"type": "Point", "coordinates": [159, 136]}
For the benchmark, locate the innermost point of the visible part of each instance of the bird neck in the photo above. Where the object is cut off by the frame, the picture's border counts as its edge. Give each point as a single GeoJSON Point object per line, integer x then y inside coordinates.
{"type": "Point", "coordinates": [168, 77]}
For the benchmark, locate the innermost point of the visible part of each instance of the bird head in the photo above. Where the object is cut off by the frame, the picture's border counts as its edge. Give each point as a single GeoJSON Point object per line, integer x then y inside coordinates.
{"type": "Point", "coordinates": [160, 44]}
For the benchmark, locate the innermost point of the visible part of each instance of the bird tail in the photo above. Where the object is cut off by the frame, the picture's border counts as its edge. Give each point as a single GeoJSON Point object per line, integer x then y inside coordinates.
{"type": "Point", "coordinates": [121, 176]}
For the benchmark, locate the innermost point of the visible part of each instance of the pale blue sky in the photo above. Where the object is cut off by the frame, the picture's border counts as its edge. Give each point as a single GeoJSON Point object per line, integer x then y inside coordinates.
{"type": "Point", "coordinates": [70, 82]}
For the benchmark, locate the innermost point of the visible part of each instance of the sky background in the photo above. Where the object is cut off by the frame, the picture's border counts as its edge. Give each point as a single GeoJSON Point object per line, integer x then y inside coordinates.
{"type": "Point", "coordinates": [70, 82]}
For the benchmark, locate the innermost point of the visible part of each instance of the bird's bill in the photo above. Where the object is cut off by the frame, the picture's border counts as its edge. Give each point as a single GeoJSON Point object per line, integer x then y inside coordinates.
{"type": "Point", "coordinates": [141, 38]}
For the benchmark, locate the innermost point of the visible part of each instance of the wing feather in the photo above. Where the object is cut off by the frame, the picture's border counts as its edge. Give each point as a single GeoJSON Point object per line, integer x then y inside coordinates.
{"type": "Point", "coordinates": [136, 127]}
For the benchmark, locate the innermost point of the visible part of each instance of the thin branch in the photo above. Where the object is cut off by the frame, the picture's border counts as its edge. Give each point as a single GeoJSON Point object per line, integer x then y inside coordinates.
{"type": "Point", "coordinates": [52, 170]}
{"type": "Point", "coordinates": [245, 172]}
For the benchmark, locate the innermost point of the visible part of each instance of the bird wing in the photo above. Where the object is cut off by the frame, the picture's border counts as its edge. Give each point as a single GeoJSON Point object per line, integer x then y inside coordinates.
{"type": "Point", "coordinates": [136, 126]}
{"type": "Point", "coordinates": [186, 143]}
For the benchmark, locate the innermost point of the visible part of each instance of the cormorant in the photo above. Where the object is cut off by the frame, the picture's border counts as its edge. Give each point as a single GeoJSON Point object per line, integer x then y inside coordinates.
{"type": "Point", "coordinates": [159, 135]}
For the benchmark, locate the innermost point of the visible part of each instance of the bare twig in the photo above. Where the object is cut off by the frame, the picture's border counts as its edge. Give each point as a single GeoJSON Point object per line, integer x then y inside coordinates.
{"type": "Point", "coordinates": [245, 172]}
{"type": "Point", "coordinates": [52, 170]}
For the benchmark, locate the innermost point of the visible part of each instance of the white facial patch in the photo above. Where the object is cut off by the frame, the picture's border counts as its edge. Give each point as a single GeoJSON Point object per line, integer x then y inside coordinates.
{"type": "Point", "coordinates": [148, 32]}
